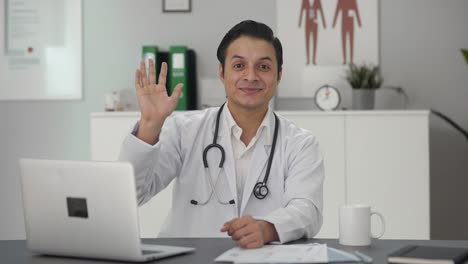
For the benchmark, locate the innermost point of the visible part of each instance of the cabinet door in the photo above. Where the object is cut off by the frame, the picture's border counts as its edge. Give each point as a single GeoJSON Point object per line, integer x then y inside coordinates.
{"type": "Point", "coordinates": [107, 135]}
{"type": "Point", "coordinates": [329, 130]}
{"type": "Point", "coordinates": [388, 168]}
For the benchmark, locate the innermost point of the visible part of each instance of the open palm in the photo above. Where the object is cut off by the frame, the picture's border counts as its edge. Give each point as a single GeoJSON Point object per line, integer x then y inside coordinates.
{"type": "Point", "coordinates": [155, 103]}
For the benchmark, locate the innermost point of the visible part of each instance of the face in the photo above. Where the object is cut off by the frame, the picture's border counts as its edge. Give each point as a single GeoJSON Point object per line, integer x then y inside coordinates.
{"type": "Point", "coordinates": [250, 74]}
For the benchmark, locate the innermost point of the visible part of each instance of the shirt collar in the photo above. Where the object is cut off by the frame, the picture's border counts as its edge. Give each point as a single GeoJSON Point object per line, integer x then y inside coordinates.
{"type": "Point", "coordinates": [267, 123]}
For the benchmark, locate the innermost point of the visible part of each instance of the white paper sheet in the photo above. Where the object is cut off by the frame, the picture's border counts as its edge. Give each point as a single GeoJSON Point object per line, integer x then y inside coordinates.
{"type": "Point", "coordinates": [302, 253]}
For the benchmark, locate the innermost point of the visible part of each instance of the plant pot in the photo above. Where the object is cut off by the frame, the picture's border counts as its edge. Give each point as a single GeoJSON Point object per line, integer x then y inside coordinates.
{"type": "Point", "coordinates": [363, 99]}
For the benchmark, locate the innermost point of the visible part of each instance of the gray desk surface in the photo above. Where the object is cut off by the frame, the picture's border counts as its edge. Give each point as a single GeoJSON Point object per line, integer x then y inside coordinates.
{"type": "Point", "coordinates": [207, 249]}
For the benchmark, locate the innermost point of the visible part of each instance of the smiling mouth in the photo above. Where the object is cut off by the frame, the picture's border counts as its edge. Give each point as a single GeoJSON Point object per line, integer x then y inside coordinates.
{"type": "Point", "coordinates": [250, 90]}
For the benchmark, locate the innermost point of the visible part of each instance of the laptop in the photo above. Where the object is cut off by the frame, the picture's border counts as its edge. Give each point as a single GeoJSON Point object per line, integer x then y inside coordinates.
{"type": "Point", "coordinates": [85, 209]}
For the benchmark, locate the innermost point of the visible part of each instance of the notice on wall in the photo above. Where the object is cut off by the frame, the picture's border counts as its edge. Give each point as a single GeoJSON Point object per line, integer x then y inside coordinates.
{"type": "Point", "coordinates": [40, 49]}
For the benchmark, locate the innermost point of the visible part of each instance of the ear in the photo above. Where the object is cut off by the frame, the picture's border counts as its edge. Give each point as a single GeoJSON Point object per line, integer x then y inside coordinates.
{"type": "Point", "coordinates": [220, 72]}
{"type": "Point", "coordinates": [280, 75]}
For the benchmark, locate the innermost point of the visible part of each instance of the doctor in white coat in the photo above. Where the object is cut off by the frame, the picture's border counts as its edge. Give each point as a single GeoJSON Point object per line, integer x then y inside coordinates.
{"type": "Point", "coordinates": [255, 185]}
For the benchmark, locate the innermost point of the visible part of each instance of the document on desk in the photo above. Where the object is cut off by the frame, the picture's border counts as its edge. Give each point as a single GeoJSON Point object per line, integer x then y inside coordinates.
{"type": "Point", "coordinates": [302, 253]}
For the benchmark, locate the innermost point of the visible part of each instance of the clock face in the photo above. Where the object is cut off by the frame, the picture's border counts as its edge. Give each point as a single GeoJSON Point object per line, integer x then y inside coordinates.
{"type": "Point", "coordinates": [327, 98]}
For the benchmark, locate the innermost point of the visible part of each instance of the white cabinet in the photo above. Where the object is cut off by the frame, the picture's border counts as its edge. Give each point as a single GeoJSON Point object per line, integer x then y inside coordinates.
{"type": "Point", "coordinates": [380, 158]}
{"type": "Point", "coordinates": [108, 131]}
{"type": "Point", "coordinates": [387, 160]}
{"type": "Point", "coordinates": [328, 128]}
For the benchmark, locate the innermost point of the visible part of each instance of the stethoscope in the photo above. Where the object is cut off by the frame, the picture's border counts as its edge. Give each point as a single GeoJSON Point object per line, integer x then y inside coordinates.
{"type": "Point", "coordinates": [260, 190]}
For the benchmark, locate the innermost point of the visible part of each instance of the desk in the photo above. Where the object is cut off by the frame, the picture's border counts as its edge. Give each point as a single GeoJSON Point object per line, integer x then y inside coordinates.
{"type": "Point", "coordinates": [207, 249]}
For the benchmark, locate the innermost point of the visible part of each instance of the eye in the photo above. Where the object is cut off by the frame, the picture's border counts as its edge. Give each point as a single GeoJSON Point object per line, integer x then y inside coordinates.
{"type": "Point", "coordinates": [264, 67]}
{"type": "Point", "coordinates": [238, 66]}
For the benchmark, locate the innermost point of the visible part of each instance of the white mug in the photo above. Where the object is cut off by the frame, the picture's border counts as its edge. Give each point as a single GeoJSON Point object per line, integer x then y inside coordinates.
{"type": "Point", "coordinates": [355, 225]}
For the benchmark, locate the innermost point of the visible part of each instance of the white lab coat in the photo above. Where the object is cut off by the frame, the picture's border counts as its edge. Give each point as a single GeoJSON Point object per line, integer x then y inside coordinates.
{"type": "Point", "coordinates": [294, 202]}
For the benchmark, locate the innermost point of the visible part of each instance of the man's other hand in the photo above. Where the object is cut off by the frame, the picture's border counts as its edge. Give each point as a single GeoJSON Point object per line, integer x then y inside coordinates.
{"type": "Point", "coordinates": [250, 233]}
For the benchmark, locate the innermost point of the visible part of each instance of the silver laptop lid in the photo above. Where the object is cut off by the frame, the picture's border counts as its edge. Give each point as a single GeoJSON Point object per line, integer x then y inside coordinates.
{"type": "Point", "coordinates": [80, 208]}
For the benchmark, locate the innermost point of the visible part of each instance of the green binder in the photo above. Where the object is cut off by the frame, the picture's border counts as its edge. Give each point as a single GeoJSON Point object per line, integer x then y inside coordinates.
{"type": "Point", "coordinates": [178, 74]}
{"type": "Point", "coordinates": [151, 52]}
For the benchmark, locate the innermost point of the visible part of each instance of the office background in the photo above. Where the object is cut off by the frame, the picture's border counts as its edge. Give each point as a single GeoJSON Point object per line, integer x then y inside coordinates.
{"type": "Point", "coordinates": [420, 43]}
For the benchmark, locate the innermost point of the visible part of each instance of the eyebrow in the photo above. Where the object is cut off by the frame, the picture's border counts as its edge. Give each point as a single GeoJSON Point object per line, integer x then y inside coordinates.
{"type": "Point", "coordinates": [240, 57]}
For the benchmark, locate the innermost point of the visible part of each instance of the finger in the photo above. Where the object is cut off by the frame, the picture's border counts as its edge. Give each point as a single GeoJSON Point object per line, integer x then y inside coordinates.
{"type": "Point", "coordinates": [152, 72]}
{"type": "Point", "coordinates": [229, 228]}
{"type": "Point", "coordinates": [242, 232]}
{"type": "Point", "coordinates": [225, 226]}
{"type": "Point", "coordinates": [176, 93]}
{"type": "Point", "coordinates": [255, 244]}
{"type": "Point", "coordinates": [237, 225]}
{"type": "Point", "coordinates": [251, 240]}
{"type": "Point", "coordinates": [241, 222]}
{"type": "Point", "coordinates": [144, 79]}
{"type": "Point", "coordinates": [163, 74]}
{"type": "Point", "coordinates": [137, 80]}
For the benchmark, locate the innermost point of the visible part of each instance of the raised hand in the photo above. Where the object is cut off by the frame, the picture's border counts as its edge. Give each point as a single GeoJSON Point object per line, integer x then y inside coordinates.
{"type": "Point", "coordinates": [155, 104]}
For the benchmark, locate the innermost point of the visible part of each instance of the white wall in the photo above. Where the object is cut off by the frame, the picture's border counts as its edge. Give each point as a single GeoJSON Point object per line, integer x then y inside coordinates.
{"type": "Point", "coordinates": [420, 42]}
{"type": "Point", "coordinates": [114, 32]}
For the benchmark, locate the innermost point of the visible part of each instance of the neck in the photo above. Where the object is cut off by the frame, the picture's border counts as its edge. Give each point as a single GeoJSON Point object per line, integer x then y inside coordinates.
{"type": "Point", "coordinates": [248, 119]}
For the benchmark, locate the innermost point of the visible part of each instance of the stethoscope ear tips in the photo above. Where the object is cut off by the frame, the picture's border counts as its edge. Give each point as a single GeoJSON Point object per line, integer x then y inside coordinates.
{"type": "Point", "coordinates": [196, 203]}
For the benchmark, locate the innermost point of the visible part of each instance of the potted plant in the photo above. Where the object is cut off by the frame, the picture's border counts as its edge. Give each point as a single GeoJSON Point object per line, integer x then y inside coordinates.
{"type": "Point", "coordinates": [365, 80]}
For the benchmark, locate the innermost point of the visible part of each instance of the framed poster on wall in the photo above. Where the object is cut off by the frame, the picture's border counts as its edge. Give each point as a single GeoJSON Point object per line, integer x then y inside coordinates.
{"type": "Point", "coordinates": [40, 49]}
{"type": "Point", "coordinates": [321, 38]}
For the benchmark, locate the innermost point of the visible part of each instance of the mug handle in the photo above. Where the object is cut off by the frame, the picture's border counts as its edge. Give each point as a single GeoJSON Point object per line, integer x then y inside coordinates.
{"type": "Point", "coordinates": [382, 220]}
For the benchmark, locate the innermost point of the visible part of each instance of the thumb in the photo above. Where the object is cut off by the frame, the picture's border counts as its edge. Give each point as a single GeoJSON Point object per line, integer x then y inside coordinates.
{"type": "Point", "coordinates": [177, 92]}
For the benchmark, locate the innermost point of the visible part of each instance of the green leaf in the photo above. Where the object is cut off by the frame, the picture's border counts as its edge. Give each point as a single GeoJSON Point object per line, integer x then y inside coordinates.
{"type": "Point", "coordinates": [364, 76]}
{"type": "Point", "coordinates": [465, 53]}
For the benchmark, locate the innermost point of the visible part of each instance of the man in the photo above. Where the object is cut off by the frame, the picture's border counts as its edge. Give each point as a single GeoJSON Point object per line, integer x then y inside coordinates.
{"type": "Point", "coordinates": [239, 169]}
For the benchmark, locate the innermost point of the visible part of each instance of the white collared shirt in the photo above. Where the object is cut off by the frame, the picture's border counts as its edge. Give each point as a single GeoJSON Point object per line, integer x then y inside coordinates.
{"type": "Point", "coordinates": [242, 153]}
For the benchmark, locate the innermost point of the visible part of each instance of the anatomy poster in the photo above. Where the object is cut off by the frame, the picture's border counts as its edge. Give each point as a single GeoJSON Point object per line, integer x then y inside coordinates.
{"type": "Point", "coordinates": [320, 38]}
{"type": "Point", "coordinates": [40, 49]}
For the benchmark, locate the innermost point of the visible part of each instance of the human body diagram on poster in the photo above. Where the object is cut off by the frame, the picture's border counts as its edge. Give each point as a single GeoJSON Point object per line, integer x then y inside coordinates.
{"type": "Point", "coordinates": [345, 8]}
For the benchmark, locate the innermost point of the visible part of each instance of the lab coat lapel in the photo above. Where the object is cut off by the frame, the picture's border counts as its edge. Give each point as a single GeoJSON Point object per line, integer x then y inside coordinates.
{"type": "Point", "coordinates": [257, 168]}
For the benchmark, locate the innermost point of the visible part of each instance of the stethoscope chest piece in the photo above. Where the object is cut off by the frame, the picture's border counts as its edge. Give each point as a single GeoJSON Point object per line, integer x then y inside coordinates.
{"type": "Point", "coordinates": [260, 190]}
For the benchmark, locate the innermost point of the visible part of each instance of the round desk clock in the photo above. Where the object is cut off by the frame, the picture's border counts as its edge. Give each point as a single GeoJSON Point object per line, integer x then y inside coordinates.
{"type": "Point", "coordinates": [327, 98]}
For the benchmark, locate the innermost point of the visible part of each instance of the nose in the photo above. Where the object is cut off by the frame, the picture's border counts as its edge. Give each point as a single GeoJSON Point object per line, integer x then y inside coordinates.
{"type": "Point", "coordinates": [250, 74]}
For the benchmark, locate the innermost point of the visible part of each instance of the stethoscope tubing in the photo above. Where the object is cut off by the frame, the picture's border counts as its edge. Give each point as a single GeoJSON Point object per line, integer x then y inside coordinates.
{"type": "Point", "coordinates": [214, 144]}
{"type": "Point", "coordinates": [260, 190]}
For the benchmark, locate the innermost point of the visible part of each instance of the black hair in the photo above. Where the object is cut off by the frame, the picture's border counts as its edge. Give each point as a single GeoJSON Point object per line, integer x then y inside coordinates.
{"type": "Point", "coordinates": [253, 29]}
